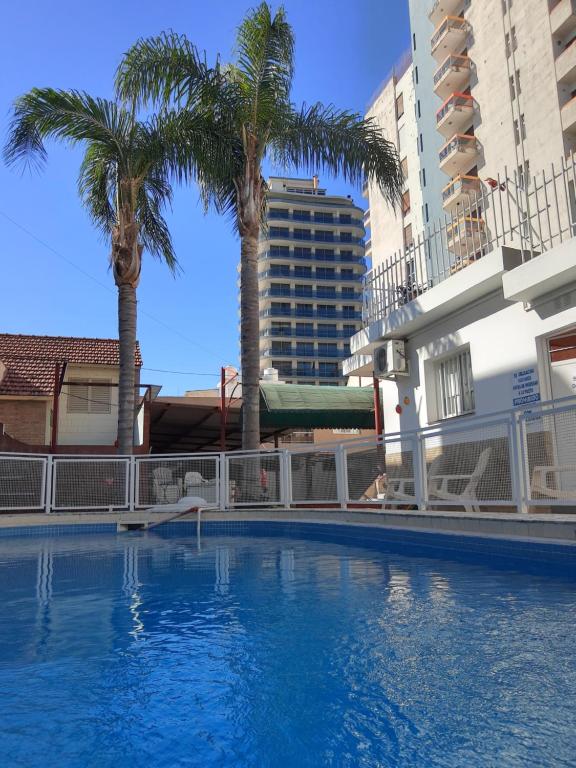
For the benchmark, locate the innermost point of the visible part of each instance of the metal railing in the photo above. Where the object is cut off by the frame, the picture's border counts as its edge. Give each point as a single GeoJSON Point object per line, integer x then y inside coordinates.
{"type": "Point", "coordinates": [318, 293]}
{"type": "Point", "coordinates": [292, 275]}
{"type": "Point", "coordinates": [340, 221]}
{"type": "Point", "coordinates": [307, 237]}
{"type": "Point", "coordinates": [518, 460]}
{"type": "Point", "coordinates": [451, 62]}
{"type": "Point", "coordinates": [531, 216]}
{"type": "Point", "coordinates": [450, 24]}
{"type": "Point", "coordinates": [338, 258]}
{"type": "Point", "coordinates": [312, 314]}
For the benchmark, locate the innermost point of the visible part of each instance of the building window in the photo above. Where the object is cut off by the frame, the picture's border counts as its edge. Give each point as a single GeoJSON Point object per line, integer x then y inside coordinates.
{"type": "Point", "coordinates": [302, 291]}
{"type": "Point", "coordinates": [302, 234]}
{"type": "Point", "coordinates": [454, 385]}
{"type": "Point", "coordinates": [304, 329]}
{"type": "Point", "coordinates": [280, 250]}
{"type": "Point", "coordinates": [404, 168]}
{"type": "Point", "coordinates": [301, 215]}
{"type": "Point", "coordinates": [327, 350]}
{"type": "Point", "coordinates": [325, 273]}
{"type": "Point", "coordinates": [414, 40]}
{"type": "Point", "coordinates": [92, 396]}
{"type": "Point", "coordinates": [348, 311]}
{"type": "Point", "coordinates": [518, 88]}
{"type": "Point", "coordinates": [277, 213]}
{"type": "Point", "coordinates": [279, 232]}
{"type": "Point", "coordinates": [406, 203]}
{"type": "Point", "coordinates": [512, 87]}
{"type": "Point", "coordinates": [345, 237]}
{"type": "Point", "coordinates": [516, 132]}
{"type": "Point", "coordinates": [408, 237]}
{"type": "Point", "coordinates": [324, 217]}
{"type": "Point", "coordinates": [347, 292]}
{"type": "Point", "coordinates": [423, 177]}
{"type": "Point", "coordinates": [426, 215]}
{"type": "Point", "coordinates": [325, 254]}
{"type": "Point", "coordinates": [399, 106]}
{"type": "Point", "coordinates": [326, 310]}
{"type": "Point", "coordinates": [348, 330]}
{"type": "Point", "coordinates": [511, 41]}
{"type": "Point", "coordinates": [401, 134]}
{"type": "Point", "coordinates": [325, 235]}
{"type": "Point", "coordinates": [416, 75]}
{"type": "Point", "coordinates": [302, 253]}
{"type": "Point", "coordinates": [327, 331]}
{"type": "Point", "coordinates": [524, 175]}
{"type": "Point", "coordinates": [345, 218]}
{"type": "Point", "coordinates": [418, 112]}
{"type": "Point", "coordinates": [522, 127]}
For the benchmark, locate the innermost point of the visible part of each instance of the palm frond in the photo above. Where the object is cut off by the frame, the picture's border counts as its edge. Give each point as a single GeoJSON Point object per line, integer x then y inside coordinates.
{"type": "Point", "coordinates": [340, 142]}
{"type": "Point", "coordinates": [265, 65]}
{"type": "Point", "coordinates": [97, 185]}
{"type": "Point", "coordinates": [162, 68]}
{"type": "Point", "coordinates": [68, 116]}
{"type": "Point", "coordinates": [155, 193]}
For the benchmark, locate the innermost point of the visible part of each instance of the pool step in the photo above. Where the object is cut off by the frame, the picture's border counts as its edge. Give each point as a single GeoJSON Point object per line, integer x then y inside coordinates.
{"type": "Point", "coordinates": [132, 525]}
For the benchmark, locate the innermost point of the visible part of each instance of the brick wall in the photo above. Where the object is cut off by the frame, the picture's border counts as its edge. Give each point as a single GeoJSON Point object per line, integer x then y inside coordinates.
{"type": "Point", "coordinates": [24, 420]}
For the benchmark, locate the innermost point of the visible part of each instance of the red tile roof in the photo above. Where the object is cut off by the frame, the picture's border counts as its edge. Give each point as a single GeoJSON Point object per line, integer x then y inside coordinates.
{"type": "Point", "coordinates": [30, 360]}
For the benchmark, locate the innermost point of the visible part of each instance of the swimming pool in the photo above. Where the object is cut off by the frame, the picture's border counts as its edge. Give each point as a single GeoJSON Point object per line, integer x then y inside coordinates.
{"type": "Point", "coordinates": [296, 649]}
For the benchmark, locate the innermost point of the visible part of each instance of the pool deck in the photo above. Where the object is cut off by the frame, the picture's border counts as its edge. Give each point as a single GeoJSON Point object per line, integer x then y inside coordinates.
{"type": "Point", "coordinates": [500, 525]}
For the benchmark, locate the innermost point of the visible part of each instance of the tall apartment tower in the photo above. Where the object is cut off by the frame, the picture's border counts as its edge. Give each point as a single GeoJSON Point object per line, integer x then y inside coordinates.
{"type": "Point", "coordinates": [496, 80]}
{"type": "Point", "coordinates": [394, 111]}
{"type": "Point", "coordinates": [311, 266]}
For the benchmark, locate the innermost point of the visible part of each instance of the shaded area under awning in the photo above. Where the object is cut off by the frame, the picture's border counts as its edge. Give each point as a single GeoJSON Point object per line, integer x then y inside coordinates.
{"type": "Point", "coordinates": [192, 424]}
{"type": "Point", "coordinates": [307, 406]}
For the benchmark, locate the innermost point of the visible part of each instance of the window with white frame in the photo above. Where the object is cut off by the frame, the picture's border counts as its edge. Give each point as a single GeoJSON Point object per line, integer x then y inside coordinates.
{"type": "Point", "coordinates": [89, 396]}
{"type": "Point", "coordinates": [454, 385]}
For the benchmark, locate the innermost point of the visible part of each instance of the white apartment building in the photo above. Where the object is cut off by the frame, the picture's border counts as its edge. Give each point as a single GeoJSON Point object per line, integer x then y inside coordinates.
{"type": "Point", "coordinates": [393, 110]}
{"type": "Point", "coordinates": [311, 260]}
{"type": "Point", "coordinates": [484, 300]}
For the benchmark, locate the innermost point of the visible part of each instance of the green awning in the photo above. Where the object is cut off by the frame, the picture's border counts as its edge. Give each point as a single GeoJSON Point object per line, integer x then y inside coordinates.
{"type": "Point", "coordinates": [302, 405]}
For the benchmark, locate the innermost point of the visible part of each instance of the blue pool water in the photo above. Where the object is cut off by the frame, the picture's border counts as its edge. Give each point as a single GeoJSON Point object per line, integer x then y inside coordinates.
{"type": "Point", "coordinates": [156, 650]}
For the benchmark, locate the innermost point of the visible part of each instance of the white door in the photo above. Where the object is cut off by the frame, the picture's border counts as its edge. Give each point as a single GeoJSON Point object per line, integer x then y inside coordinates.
{"type": "Point", "coordinates": [562, 357]}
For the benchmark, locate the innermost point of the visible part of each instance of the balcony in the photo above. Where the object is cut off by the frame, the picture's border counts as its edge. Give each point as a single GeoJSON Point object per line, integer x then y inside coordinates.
{"type": "Point", "coordinates": [336, 258]}
{"type": "Point", "coordinates": [273, 274]}
{"type": "Point", "coordinates": [339, 354]}
{"type": "Point", "coordinates": [452, 75]}
{"type": "Point", "coordinates": [456, 114]}
{"type": "Point", "coordinates": [319, 332]}
{"type": "Point", "coordinates": [312, 237]}
{"type": "Point", "coordinates": [461, 191]}
{"type": "Point", "coordinates": [563, 17]}
{"type": "Point", "coordinates": [279, 214]}
{"type": "Point", "coordinates": [459, 154]}
{"type": "Point", "coordinates": [466, 237]}
{"type": "Point", "coordinates": [568, 115]}
{"type": "Point", "coordinates": [443, 8]}
{"type": "Point", "coordinates": [294, 293]}
{"type": "Point", "coordinates": [449, 37]}
{"type": "Point", "coordinates": [566, 65]}
{"type": "Point", "coordinates": [310, 313]}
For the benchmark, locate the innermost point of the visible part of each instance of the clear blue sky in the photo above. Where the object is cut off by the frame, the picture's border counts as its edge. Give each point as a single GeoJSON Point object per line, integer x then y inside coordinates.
{"type": "Point", "coordinates": [344, 49]}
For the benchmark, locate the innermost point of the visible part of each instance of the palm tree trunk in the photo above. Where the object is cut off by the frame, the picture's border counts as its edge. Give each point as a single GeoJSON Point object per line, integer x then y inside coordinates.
{"type": "Point", "coordinates": [250, 337]}
{"type": "Point", "coordinates": [126, 392]}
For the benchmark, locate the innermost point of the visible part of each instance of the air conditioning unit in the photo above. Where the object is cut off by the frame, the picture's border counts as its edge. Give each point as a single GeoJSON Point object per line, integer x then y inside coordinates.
{"type": "Point", "coordinates": [390, 360]}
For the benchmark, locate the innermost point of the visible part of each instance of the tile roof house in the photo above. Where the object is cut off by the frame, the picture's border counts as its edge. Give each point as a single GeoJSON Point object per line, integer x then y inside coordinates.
{"type": "Point", "coordinates": [77, 377]}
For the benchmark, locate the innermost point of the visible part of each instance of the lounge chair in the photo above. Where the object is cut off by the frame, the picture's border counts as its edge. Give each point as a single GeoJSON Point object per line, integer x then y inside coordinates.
{"type": "Point", "coordinates": [466, 484]}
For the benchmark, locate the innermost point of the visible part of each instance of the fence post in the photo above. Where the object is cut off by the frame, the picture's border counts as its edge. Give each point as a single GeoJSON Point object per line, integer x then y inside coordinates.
{"type": "Point", "coordinates": [224, 486]}
{"type": "Point", "coordinates": [285, 479]}
{"type": "Point", "coordinates": [48, 485]}
{"type": "Point", "coordinates": [517, 464]}
{"type": "Point", "coordinates": [132, 485]}
{"type": "Point", "coordinates": [420, 473]}
{"type": "Point", "coordinates": [341, 475]}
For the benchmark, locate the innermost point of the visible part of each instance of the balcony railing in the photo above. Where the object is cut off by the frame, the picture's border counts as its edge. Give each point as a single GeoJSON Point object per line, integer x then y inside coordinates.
{"type": "Point", "coordinates": [317, 294]}
{"type": "Point", "coordinates": [455, 114]}
{"type": "Point", "coordinates": [442, 8]}
{"type": "Point", "coordinates": [459, 154]}
{"type": "Point", "coordinates": [460, 188]}
{"type": "Point", "coordinates": [291, 275]}
{"type": "Point", "coordinates": [336, 258]}
{"type": "Point", "coordinates": [452, 75]}
{"type": "Point", "coordinates": [311, 238]}
{"type": "Point", "coordinates": [450, 36]}
{"type": "Point", "coordinates": [293, 333]}
{"type": "Point", "coordinates": [531, 216]}
{"type": "Point", "coordinates": [339, 354]}
{"type": "Point", "coordinates": [310, 313]}
{"type": "Point", "coordinates": [282, 215]}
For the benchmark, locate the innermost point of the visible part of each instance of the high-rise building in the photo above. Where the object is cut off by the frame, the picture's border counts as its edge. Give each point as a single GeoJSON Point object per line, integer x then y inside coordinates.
{"type": "Point", "coordinates": [311, 266]}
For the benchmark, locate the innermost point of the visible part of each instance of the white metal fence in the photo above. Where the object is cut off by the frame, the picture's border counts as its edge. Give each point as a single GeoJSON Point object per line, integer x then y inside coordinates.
{"type": "Point", "coordinates": [529, 213]}
{"type": "Point", "coordinates": [515, 460]}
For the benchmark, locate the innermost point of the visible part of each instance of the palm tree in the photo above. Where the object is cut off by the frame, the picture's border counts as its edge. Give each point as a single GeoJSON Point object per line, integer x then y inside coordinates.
{"type": "Point", "coordinates": [250, 103]}
{"type": "Point", "coordinates": [124, 183]}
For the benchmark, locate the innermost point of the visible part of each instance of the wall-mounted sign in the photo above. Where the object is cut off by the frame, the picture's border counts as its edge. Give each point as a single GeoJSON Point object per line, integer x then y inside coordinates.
{"type": "Point", "coordinates": [525, 387]}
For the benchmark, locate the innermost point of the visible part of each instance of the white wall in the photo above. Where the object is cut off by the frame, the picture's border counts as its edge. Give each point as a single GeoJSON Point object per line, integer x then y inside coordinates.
{"type": "Point", "coordinates": [88, 428]}
{"type": "Point", "coordinates": [502, 337]}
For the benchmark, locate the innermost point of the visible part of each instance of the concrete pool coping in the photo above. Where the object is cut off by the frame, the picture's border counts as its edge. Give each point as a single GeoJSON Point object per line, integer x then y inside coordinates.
{"type": "Point", "coordinates": [549, 528]}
